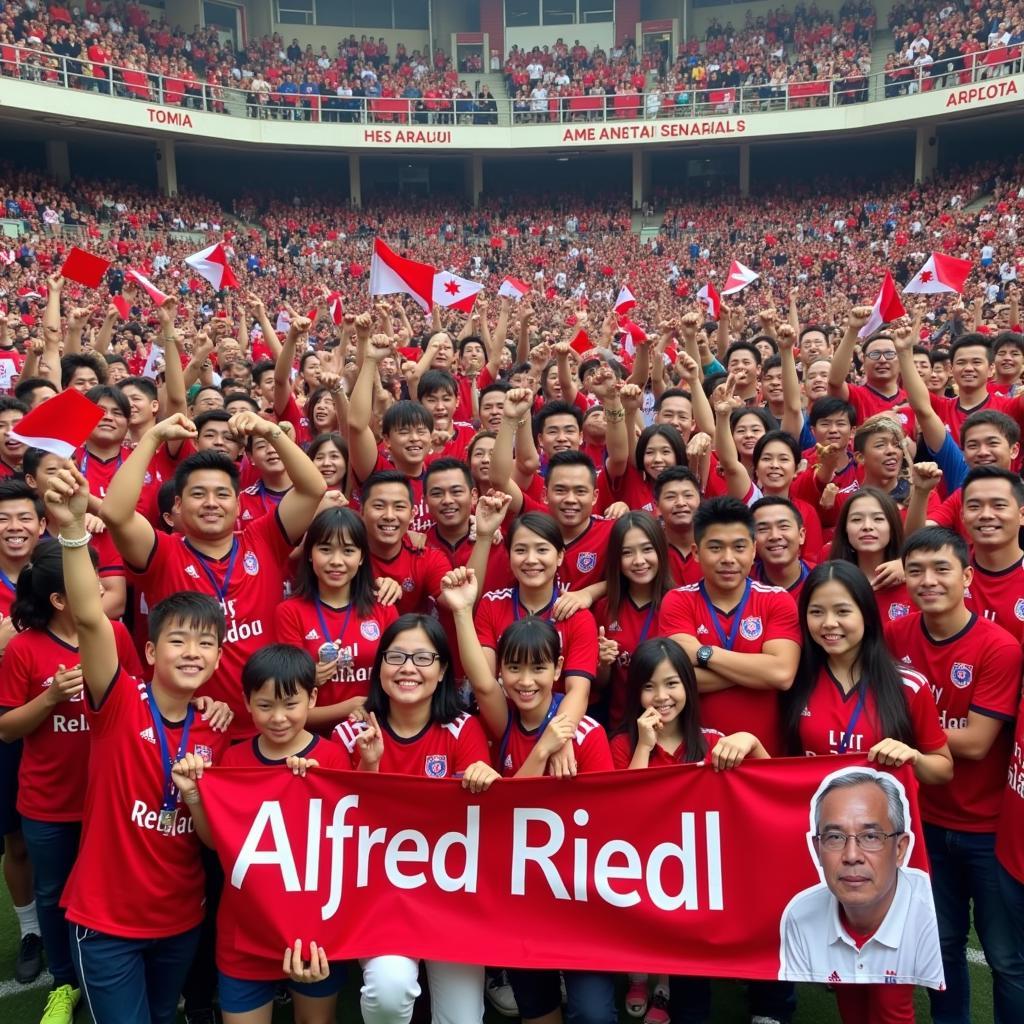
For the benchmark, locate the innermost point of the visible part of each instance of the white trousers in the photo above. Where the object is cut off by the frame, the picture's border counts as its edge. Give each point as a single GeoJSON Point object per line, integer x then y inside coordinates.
{"type": "Point", "coordinates": [391, 985]}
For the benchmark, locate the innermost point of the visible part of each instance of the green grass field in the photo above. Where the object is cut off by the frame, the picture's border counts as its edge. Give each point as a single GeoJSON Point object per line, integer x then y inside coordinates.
{"type": "Point", "coordinates": [816, 1006]}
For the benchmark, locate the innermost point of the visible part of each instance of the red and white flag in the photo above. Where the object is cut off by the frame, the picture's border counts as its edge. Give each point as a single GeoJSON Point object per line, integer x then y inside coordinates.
{"type": "Point", "coordinates": [212, 265]}
{"type": "Point", "coordinates": [514, 289]}
{"type": "Point", "coordinates": [940, 273]}
{"type": "Point", "coordinates": [711, 299]}
{"type": "Point", "coordinates": [625, 301]}
{"type": "Point", "coordinates": [635, 334]}
{"type": "Point", "coordinates": [158, 297]}
{"type": "Point", "coordinates": [391, 274]}
{"type": "Point", "coordinates": [887, 308]}
{"type": "Point", "coordinates": [60, 424]}
{"type": "Point", "coordinates": [453, 292]}
{"type": "Point", "coordinates": [334, 308]}
{"type": "Point", "coordinates": [739, 277]}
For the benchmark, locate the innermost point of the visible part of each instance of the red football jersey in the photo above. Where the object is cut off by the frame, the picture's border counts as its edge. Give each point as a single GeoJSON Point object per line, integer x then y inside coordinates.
{"type": "Point", "coordinates": [258, 566]}
{"type": "Point", "coordinates": [498, 609]}
{"type": "Point", "coordinates": [978, 670]}
{"type": "Point", "coordinates": [422, 520]}
{"type": "Point", "coordinates": [584, 560]}
{"type": "Point", "coordinates": [770, 614]}
{"type": "Point", "coordinates": [7, 588]}
{"type": "Point", "coordinates": [893, 602]}
{"type": "Point", "coordinates": [684, 566]}
{"type": "Point", "coordinates": [52, 776]}
{"type": "Point", "coordinates": [953, 414]}
{"type": "Point", "coordinates": [1010, 830]}
{"type": "Point", "coordinates": [357, 637]}
{"type": "Point", "coordinates": [256, 501]}
{"type": "Point", "coordinates": [419, 572]}
{"type": "Point", "coordinates": [826, 721]}
{"type": "Point", "coordinates": [622, 751]}
{"type": "Point", "coordinates": [589, 744]}
{"type": "Point", "coordinates": [249, 755]}
{"type": "Point", "coordinates": [634, 488]}
{"type": "Point", "coordinates": [499, 573]}
{"type": "Point", "coordinates": [438, 752]}
{"type": "Point", "coordinates": [628, 628]}
{"type": "Point", "coordinates": [129, 879]}
{"type": "Point", "coordinates": [99, 472]}
{"type": "Point", "coordinates": [950, 513]}
{"type": "Point", "coordinates": [867, 402]}
{"type": "Point", "coordinates": [999, 597]}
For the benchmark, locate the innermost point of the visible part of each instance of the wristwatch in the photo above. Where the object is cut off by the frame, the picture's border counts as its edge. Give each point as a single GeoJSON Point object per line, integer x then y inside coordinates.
{"type": "Point", "coordinates": [704, 655]}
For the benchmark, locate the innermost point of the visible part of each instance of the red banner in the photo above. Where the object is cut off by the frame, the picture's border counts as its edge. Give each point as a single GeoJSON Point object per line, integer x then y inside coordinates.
{"type": "Point", "coordinates": [668, 871]}
{"type": "Point", "coordinates": [797, 90]}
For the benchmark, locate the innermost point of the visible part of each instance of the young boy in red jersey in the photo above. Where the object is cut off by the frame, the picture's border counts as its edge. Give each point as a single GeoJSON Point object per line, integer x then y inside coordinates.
{"type": "Point", "coordinates": [279, 683]}
{"type": "Point", "coordinates": [677, 495]}
{"type": "Point", "coordinates": [974, 667]}
{"type": "Point", "coordinates": [133, 941]}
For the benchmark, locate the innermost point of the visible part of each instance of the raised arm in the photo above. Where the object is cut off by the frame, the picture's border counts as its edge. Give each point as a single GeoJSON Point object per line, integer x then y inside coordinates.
{"type": "Point", "coordinates": [259, 311]}
{"type": "Point", "coordinates": [67, 500]}
{"type": "Point", "coordinates": [175, 400]}
{"type": "Point", "coordinates": [736, 476]}
{"type": "Point", "coordinates": [297, 328]}
{"type": "Point", "coordinates": [362, 443]}
{"type": "Point", "coordinates": [793, 409]}
{"type": "Point", "coordinates": [794, 312]}
{"type": "Point", "coordinates": [606, 387]}
{"type": "Point", "coordinates": [77, 319]}
{"type": "Point", "coordinates": [101, 342]}
{"type": "Point", "coordinates": [566, 378]}
{"type": "Point", "coordinates": [703, 414]}
{"type": "Point", "coordinates": [51, 330]}
{"type": "Point", "coordinates": [842, 360]}
{"type": "Point", "coordinates": [933, 430]}
{"type": "Point", "coordinates": [515, 430]}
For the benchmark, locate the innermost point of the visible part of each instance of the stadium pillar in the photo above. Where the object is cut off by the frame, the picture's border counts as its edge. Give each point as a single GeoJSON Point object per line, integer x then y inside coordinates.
{"type": "Point", "coordinates": [926, 153]}
{"type": "Point", "coordinates": [745, 169]}
{"type": "Point", "coordinates": [58, 163]}
{"type": "Point", "coordinates": [166, 167]}
{"type": "Point", "coordinates": [355, 181]}
{"type": "Point", "coordinates": [641, 177]}
{"type": "Point", "coordinates": [474, 179]}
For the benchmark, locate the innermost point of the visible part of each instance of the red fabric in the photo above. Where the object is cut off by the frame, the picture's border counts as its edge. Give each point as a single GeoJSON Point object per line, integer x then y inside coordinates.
{"type": "Point", "coordinates": [798, 90]}
{"type": "Point", "coordinates": [377, 903]}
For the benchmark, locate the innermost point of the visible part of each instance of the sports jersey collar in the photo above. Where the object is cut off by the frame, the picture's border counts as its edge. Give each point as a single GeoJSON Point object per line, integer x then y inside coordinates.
{"type": "Point", "coordinates": [263, 759]}
{"type": "Point", "coordinates": [890, 931]}
{"type": "Point", "coordinates": [586, 530]}
{"type": "Point", "coordinates": [995, 573]}
{"type": "Point", "coordinates": [386, 725]}
{"type": "Point", "coordinates": [898, 396]}
{"type": "Point", "coordinates": [949, 639]}
{"type": "Point", "coordinates": [435, 533]}
{"type": "Point", "coordinates": [843, 695]}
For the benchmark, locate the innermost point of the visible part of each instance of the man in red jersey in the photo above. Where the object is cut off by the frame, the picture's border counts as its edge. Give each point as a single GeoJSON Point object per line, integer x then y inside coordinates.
{"type": "Point", "coordinates": [993, 512]}
{"type": "Point", "coordinates": [133, 940]}
{"type": "Point", "coordinates": [677, 495]}
{"type": "Point", "coordinates": [974, 667]}
{"type": "Point", "coordinates": [245, 572]}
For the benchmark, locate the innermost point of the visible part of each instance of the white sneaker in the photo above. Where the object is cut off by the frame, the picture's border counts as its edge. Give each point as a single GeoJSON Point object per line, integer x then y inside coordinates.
{"type": "Point", "coordinates": [499, 994]}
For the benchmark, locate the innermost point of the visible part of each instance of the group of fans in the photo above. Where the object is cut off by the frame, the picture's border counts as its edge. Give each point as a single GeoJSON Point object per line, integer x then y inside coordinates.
{"type": "Point", "coordinates": [526, 540]}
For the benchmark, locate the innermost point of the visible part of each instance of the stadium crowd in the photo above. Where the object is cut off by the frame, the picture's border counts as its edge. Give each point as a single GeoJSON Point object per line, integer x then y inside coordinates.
{"type": "Point", "coordinates": [535, 486]}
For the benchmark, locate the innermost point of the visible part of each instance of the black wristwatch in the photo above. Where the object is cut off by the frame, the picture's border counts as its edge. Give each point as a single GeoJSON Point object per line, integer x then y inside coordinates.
{"type": "Point", "coordinates": [704, 655]}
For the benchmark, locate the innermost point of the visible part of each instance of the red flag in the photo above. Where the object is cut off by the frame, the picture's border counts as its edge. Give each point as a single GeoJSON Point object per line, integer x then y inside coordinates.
{"type": "Point", "coordinates": [581, 343]}
{"type": "Point", "coordinates": [711, 299]}
{"type": "Point", "coordinates": [625, 301]}
{"type": "Point", "coordinates": [940, 273]}
{"type": "Point", "coordinates": [453, 292]}
{"type": "Point", "coordinates": [60, 424]}
{"type": "Point", "coordinates": [392, 274]}
{"type": "Point", "coordinates": [887, 308]}
{"type": "Point", "coordinates": [739, 277]}
{"type": "Point", "coordinates": [120, 303]}
{"type": "Point", "coordinates": [84, 267]}
{"type": "Point", "coordinates": [158, 297]}
{"type": "Point", "coordinates": [212, 265]}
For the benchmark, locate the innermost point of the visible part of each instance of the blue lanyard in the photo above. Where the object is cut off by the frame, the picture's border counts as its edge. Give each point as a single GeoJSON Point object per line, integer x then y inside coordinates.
{"type": "Point", "coordinates": [645, 628]}
{"type": "Point", "coordinates": [218, 589]}
{"type": "Point", "coordinates": [318, 605]}
{"type": "Point", "coordinates": [861, 698]}
{"type": "Point", "coordinates": [737, 615]}
{"type": "Point", "coordinates": [518, 607]}
{"type": "Point", "coordinates": [556, 700]}
{"type": "Point", "coordinates": [170, 797]}
{"type": "Point", "coordinates": [8, 582]}
{"type": "Point", "coordinates": [83, 468]}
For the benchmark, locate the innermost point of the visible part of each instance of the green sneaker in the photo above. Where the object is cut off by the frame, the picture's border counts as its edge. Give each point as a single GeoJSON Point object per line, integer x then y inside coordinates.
{"type": "Point", "coordinates": [60, 1006]}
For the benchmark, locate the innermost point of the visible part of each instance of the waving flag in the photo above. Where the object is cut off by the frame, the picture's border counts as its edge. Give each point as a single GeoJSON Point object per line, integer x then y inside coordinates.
{"type": "Point", "coordinates": [455, 292]}
{"type": "Point", "coordinates": [738, 279]}
{"type": "Point", "coordinates": [158, 297]}
{"type": "Point", "coordinates": [391, 274]}
{"type": "Point", "coordinates": [212, 264]}
{"type": "Point", "coordinates": [940, 273]}
{"type": "Point", "coordinates": [887, 308]}
{"type": "Point", "coordinates": [625, 301]}
{"type": "Point", "coordinates": [711, 299]}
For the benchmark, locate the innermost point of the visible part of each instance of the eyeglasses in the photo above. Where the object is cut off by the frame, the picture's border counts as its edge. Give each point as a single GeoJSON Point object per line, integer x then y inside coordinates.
{"type": "Point", "coordinates": [875, 354]}
{"type": "Point", "coordinates": [870, 841]}
{"type": "Point", "coordinates": [421, 659]}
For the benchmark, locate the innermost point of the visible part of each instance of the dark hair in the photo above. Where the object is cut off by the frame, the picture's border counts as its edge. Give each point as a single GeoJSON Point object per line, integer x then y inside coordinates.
{"type": "Point", "coordinates": [78, 361]}
{"type": "Point", "coordinates": [938, 356]}
{"type": "Point", "coordinates": [829, 405]}
{"type": "Point", "coordinates": [814, 329]}
{"type": "Point", "coordinates": [261, 367]}
{"type": "Point", "coordinates": [674, 474]}
{"type": "Point", "coordinates": [843, 550]}
{"type": "Point", "coordinates": [211, 416]}
{"type": "Point", "coordinates": [291, 668]}
{"type": "Point", "coordinates": [711, 381]}
{"type": "Point", "coordinates": [721, 512]}
{"type": "Point", "coordinates": [14, 489]}
{"type": "Point", "coordinates": [878, 668]}
{"type": "Point", "coordinates": [560, 460]}
{"type": "Point", "coordinates": [191, 609]}
{"type": "Point", "coordinates": [1001, 340]}
{"type": "Point", "coordinates": [986, 473]}
{"type": "Point", "coordinates": [529, 641]}
{"type": "Point", "coordinates": [202, 461]}
{"type": "Point", "coordinates": [777, 501]}
{"type": "Point", "coordinates": [671, 393]}
{"type": "Point", "coordinates": [241, 396]}
{"type": "Point", "coordinates": [113, 359]}
{"type": "Point", "coordinates": [385, 476]}
{"type": "Point", "coordinates": [782, 437]}
{"type": "Point", "coordinates": [470, 339]}
{"type": "Point", "coordinates": [1005, 425]}
{"type": "Point", "coordinates": [144, 384]}
{"type": "Point", "coordinates": [444, 705]}
{"type": "Point", "coordinates": [971, 340]}
{"type": "Point", "coordinates": [618, 585]}
{"type": "Point", "coordinates": [331, 437]}
{"type": "Point", "coordinates": [113, 394]}
{"type": "Point", "coordinates": [28, 384]}
{"type": "Point", "coordinates": [502, 386]}
{"type": "Point", "coordinates": [205, 387]}
{"type": "Point", "coordinates": [540, 523]}
{"type": "Point", "coordinates": [480, 435]}
{"type": "Point", "coordinates": [766, 418]}
{"type": "Point", "coordinates": [43, 576]}
{"type": "Point", "coordinates": [555, 408]}
{"type": "Point", "coordinates": [437, 380]}
{"type": "Point", "coordinates": [448, 465]}
{"type": "Point", "coordinates": [743, 346]}
{"type": "Point", "coordinates": [934, 538]}
{"type": "Point", "coordinates": [672, 437]}
{"type": "Point", "coordinates": [643, 663]}
{"type": "Point", "coordinates": [31, 460]}
{"type": "Point", "coordinates": [330, 526]}
{"type": "Point", "coordinates": [165, 505]}
{"type": "Point", "coordinates": [406, 414]}
{"type": "Point", "coordinates": [773, 362]}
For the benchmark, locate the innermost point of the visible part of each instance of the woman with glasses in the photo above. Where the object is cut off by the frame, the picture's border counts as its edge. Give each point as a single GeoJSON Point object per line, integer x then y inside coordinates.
{"type": "Point", "coordinates": [851, 696]}
{"type": "Point", "coordinates": [415, 727]}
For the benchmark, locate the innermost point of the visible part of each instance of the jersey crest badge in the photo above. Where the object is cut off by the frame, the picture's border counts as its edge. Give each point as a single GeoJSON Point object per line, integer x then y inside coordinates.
{"type": "Point", "coordinates": [961, 674]}
{"type": "Point", "coordinates": [251, 564]}
{"type": "Point", "coordinates": [204, 751]}
{"type": "Point", "coordinates": [751, 627]}
{"type": "Point", "coordinates": [898, 611]}
{"type": "Point", "coordinates": [408, 585]}
{"type": "Point", "coordinates": [586, 561]}
{"type": "Point", "coordinates": [436, 766]}
{"type": "Point", "coordinates": [369, 630]}
{"type": "Point", "coordinates": [1018, 609]}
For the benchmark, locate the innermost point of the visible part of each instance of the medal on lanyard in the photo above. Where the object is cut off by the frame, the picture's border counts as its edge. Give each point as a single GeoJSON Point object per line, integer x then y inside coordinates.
{"type": "Point", "coordinates": [168, 816]}
{"type": "Point", "coordinates": [737, 615]}
{"type": "Point", "coordinates": [332, 650]}
{"type": "Point", "coordinates": [220, 590]}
